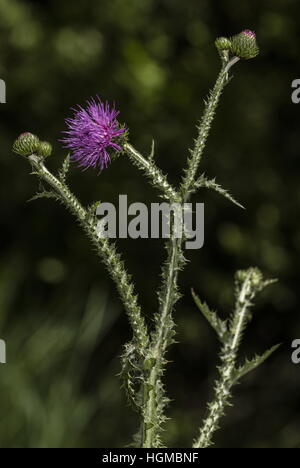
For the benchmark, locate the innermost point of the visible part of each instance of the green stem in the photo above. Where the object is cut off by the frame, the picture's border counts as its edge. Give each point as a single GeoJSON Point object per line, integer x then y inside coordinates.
{"type": "Point", "coordinates": [158, 179]}
{"type": "Point", "coordinates": [229, 355]}
{"type": "Point", "coordinates": [188, 181]}
{"type": "Point", "coordinates": [162, 338]}
{"type": "Point", "coordinates": [164, 330]}
{"type": "Point", "coordinates": [106, 251]}
{"type": "Point", "coordinates": [221, 399]}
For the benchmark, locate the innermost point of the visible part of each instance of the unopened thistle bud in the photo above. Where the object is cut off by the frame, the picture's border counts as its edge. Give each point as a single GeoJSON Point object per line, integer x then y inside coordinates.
{"type": "Point", "coordinates": [253, 275]}
{"type": "Point", "coordinates": [244, 45]}
{"type": "Point", "coordinates": [223, 43]}
{"type": "Point", "coordinates": [26, 144]}
{"type": "Point", "coordinates": [44, 149]}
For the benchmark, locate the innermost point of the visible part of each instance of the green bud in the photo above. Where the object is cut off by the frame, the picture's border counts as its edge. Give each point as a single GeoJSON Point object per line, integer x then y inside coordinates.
{"type": "Point", "coordinates": [26, 144]}
{"type": "Point", "coordinates": [44, 149]}
{"type": "Point", "coordinates": [222, 43]}
{"type": "Point", "coordinates": [253, 274]}
{"type": "Point", "coordinates": [244, 45]}
{"type": "Point", "coordinates": [256, 277]}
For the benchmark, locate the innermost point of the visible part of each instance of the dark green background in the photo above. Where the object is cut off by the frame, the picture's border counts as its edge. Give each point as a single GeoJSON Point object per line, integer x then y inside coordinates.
{"type": "Point", "coordinates": [59, 314]}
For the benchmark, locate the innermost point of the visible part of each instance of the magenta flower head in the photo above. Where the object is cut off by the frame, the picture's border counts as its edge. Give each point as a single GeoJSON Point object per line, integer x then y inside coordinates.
{"type": "Point", "coordinates": [244, 45]}
{"type": "Point", "coordinates": [94, 134]}
{"type": "Point", "coordinates": [249, 33]}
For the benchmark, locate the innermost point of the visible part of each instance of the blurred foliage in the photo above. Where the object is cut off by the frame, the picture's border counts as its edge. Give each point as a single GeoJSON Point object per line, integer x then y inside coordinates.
{"type": "Point", "coordinates": [156, 60]}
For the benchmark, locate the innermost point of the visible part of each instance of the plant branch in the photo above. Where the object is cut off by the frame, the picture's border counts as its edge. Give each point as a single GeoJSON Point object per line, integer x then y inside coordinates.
{"type": "Point", "coordinates": [161, 339]}
{"type": "Point", "coordinates": [190, 173]}
{"type": "Point", "coordinates": [154, 399]}
{"type": "Point", "coordinates": [158, 179]}
{"type": "Point", "coordinates": [248, 283]}
{"type": "Point", "coordinates": [105, 249]}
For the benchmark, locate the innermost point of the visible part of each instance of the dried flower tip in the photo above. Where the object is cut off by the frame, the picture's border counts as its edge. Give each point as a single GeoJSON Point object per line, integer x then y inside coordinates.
{"type": "Point", "coordinates": [26, 144]}
{"type": "Point", "coordinates": [244, 45]}
{"type": "Point", "coordinates": [249, 33]}
{"type": "Point", "coordinates": [44, 149]}
{"type": "Point", "coordinates": [223, 43]}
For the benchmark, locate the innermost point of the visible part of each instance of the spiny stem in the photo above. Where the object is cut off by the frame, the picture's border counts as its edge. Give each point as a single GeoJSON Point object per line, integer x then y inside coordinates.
{"type": "Point", "coordinates": [162, 337]}
{"type": "Point", "coordinates": [106, 251]}
{"type": "Point", "coordinates": [228, 357]}
{"type": "Point", "coordinates": [164, 330]}
{"type": "Point", "coordinates": [152, 401]}
{"type": "Point", "coordinates": [190, 173]}
{"type": "Point", "coordinates": [221, 399]}
{"type": "Point", "coordinates": [158, 179]}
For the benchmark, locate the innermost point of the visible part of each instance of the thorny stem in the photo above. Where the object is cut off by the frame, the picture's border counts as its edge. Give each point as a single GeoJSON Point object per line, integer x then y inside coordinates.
{"type": "Point", "coordinates": [152, 413]}
{"type": "Point", "coordinates": [158, 179]}
{"type": "Point", "coordinates": [105, 249]}
{"type": "Point", "coordinates": [228, 356]}
{"type": "Point", "coordinates": [162, 337]}
{"type": "Point", "coordinates": [190, 172]}
{"type": "Point", "coordinates": [111, 259]}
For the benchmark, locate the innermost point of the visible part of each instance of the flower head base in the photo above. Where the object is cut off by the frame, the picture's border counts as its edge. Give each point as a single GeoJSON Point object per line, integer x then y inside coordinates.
{"type": "Point", "coordinates": [92, 132]}
{"type": "Point", "coordinates": [26, 144]}
{"type": "Point", "coordinates": [244, 45]}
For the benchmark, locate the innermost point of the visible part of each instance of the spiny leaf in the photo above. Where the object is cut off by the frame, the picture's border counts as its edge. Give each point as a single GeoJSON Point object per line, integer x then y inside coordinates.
{"type": "Point", "coordinates": [219, 325]}
{"type": "Point", "coordinates": [62, 174]}
{"type": "Point", "coordinates": [211, 184]}
{"type": "Point", "coordinates": [131, 375]}
{"type": "Point", "coordinates": [45, 194]}
{"type": "Point", "coordinates": [251, 364]}
{"type": "Point", "coordinates": [269, 282]}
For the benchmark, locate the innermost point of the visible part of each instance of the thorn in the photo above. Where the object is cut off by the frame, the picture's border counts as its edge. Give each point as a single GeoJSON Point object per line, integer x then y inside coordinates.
{"type": "Point", "coordinates": [151, 155]}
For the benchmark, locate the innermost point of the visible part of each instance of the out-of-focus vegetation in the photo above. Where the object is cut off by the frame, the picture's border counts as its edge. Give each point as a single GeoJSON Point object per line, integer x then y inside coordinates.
{"type": "Point", "coordinates": [58, 311]}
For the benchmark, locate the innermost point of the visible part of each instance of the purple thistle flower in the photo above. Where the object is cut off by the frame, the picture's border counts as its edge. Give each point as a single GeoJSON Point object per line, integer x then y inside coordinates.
{"type": "Point", "coordinates": [92, 131]}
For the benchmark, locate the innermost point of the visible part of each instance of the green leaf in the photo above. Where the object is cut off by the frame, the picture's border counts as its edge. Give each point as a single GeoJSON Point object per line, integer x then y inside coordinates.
{"type": "Point", "coordinates": [219, 325]}
{"type": "Point", "coordinates": [269, 282]}
{"type": "Point", "coordinates": [45, 194]}
{"type": "Point", "coordinates": [253, 363]}
{"type": "Point", "coordinates": [132, 375]}
{"type": "Point", "coordinates": [211, 184]}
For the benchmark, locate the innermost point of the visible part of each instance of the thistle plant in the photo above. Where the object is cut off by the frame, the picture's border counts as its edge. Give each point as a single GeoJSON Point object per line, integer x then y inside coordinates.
{"type": "Point", "coordinates": [94, 138]}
